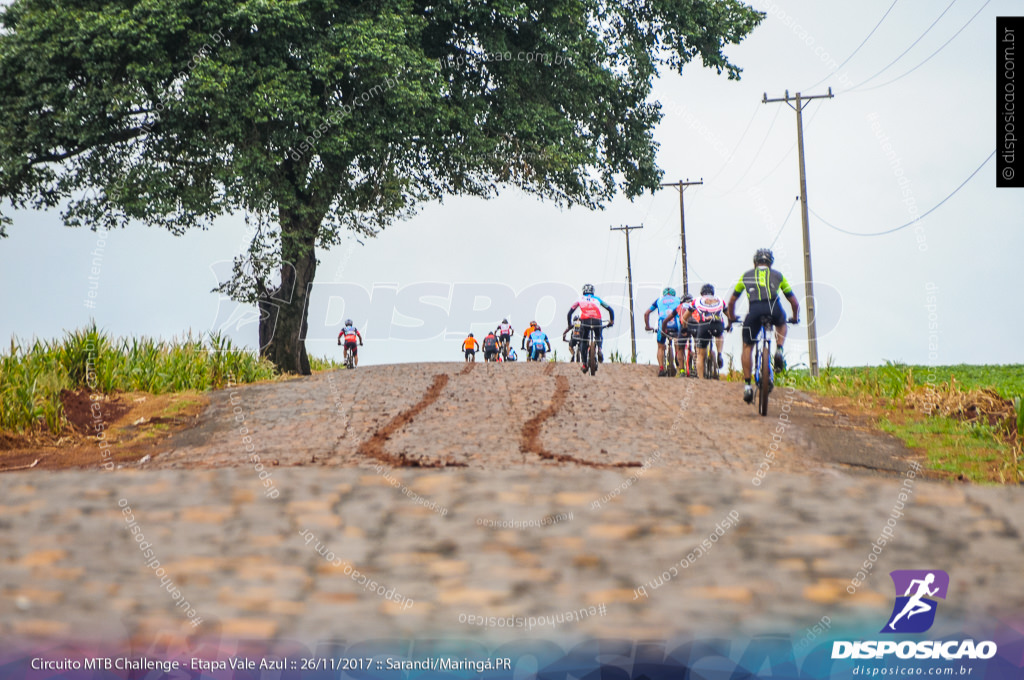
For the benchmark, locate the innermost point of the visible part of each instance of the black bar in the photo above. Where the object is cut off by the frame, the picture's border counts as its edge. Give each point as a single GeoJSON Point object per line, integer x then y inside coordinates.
{"type": "Point", "coordinates": [1009, 159]}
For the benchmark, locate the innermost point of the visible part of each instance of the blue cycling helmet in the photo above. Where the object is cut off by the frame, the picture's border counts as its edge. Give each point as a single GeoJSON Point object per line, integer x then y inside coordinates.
{"type": "Point", "coordinates": [669, 291]}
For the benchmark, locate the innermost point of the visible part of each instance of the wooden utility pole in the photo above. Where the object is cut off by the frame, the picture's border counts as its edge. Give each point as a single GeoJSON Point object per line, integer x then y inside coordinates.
{"type": "Point", "coordinates": [681, 185]}
{"type": "Point", "coordinates": [629, 276]}
{"type": "Point", "coordinates": [812, 332]}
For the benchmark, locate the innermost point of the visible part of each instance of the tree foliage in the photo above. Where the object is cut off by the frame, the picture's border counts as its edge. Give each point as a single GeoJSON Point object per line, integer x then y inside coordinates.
{"type": "Point", "coordinates": [322, 117]}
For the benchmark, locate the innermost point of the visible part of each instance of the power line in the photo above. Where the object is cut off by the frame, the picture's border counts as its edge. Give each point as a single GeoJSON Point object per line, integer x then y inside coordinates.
{"type": "Point", "coordinates": [921, 217]}
{"type": "Point", "coordinates": [942, 47]}
{"type": "Point", "coordinates": [791, 207]}
{"type": "Point", "coordinates": [858, 47]}
{"type": "Point", "coordinates": [756, 155]}
{"type": "Point", "coordinates": [733, 152]}
{"type": "Point", "coordinates": [906, 50]}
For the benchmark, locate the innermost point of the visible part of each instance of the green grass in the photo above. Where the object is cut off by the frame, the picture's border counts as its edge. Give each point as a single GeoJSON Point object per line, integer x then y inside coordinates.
{"type": "Point", "coordinates": [976, 451]}
{"type": "Point", "coordinates": [32, 376]}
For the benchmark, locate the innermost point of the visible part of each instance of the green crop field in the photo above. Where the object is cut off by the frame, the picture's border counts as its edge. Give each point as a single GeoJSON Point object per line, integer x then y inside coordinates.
{"type": "Point", "coordinates": [968, 419]}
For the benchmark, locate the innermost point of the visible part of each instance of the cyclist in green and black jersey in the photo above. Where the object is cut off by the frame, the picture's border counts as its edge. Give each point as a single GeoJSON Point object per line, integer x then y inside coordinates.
{"type": "Point", "coordinates": [763, 285]}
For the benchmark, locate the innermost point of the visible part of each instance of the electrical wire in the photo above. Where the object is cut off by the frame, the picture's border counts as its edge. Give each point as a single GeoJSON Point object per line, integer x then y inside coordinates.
{"type": "Point", "coordinates": [858, 47]}
{"type": "Point", "coordinates": [942, 47]}
{"type": "Point", "coordinates": [887, 66]}
{"type": "Point", "coordinates": [791, 207]}
{"type": "Point", "coordinates": [921, 217]}
{"type": "Point", "coordinates": [756, 155]}
{"type": "Point", "coordinates": [735, 148]}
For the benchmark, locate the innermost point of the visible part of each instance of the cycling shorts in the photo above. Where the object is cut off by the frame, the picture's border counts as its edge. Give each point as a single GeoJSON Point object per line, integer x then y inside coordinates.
{"type": "Point", "coordinates": [752, 322]}
{"type": "Point", "coordinates": [470, 352]}
{"type": "Point", "coordinates": [352, 346]}
{"type": "Point", "coordinates": [703, 332]}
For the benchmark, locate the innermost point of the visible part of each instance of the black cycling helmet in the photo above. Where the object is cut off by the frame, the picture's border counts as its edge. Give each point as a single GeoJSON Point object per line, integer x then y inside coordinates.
{"type": "Point", "coordinates": [764, 256]}
{"type": "Point", "coordinates": [687, 298]}
{"type": "Point", "coordinates": [504, 320]}
{"type": "Point", "coordinates": [348, 322]}
{"type": "Point", "coordinates": [707, 289]}
{"type": "Point", "coordinates": [537, 328]}
{"type": "Point", "coordinates": [588, 289]}
{"type": "Point", "coordinates": [470, 335]}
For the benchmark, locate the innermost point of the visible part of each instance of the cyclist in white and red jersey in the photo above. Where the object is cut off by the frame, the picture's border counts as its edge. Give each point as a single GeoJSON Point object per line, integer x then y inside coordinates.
{"type": "Point", "coordinates": [590, 306]}
{"type": "Point", "coordinates": [351, 335]}
{"type": "Point", "coordinates": [707, 316]}
{"type": "Point", "coordinates": [504, 332]}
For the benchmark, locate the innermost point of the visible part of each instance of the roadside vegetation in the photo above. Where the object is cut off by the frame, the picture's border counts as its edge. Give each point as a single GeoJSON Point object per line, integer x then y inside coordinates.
{"type": "Point", "coordinates": [36, 378]}
{"type": "Point", "coordinates": [969, 420]}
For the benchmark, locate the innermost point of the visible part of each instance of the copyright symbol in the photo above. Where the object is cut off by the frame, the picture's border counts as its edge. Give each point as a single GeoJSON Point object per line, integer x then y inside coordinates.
{"type": "Point", "coordinates": [1007, 173]}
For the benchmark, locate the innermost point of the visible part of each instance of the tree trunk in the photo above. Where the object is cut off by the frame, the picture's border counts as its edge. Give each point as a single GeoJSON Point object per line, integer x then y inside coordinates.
{"type": "Point", "coordinates": [283, 321]}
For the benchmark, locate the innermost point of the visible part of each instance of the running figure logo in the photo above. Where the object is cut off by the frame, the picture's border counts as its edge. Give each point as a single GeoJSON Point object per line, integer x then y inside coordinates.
{"type": "Point", "coordinates": [914, 612]}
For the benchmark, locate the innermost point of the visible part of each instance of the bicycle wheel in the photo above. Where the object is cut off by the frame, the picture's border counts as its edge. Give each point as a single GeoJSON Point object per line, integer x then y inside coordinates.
{"type": "Point", "coordinates": [592, 355]}
{"type": "Point", "coordinates": [670, 358]}
{"type": "Point", "coordinates": [765, 379]}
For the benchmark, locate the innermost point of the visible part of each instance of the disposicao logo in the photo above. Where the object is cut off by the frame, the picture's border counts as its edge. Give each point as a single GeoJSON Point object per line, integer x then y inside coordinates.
{"type": "Point", "coordinates": [914, 611]}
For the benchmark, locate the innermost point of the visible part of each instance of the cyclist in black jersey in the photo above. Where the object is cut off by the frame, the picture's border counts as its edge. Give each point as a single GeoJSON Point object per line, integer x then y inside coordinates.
{"type": "Point", "coordinates": [762, 284]}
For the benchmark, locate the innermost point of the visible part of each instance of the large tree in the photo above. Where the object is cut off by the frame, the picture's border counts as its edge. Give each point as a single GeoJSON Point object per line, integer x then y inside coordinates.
{"type": "Point", "coordinates": [321, 117]}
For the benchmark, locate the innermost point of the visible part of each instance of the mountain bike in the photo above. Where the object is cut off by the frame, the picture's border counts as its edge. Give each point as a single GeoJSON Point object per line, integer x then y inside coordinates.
{"type": "Point", "coordinates": [670, 353]}
{"type": "Point", "coordinates": [590, 348]}
{"type": "Point", "coordinates": [711, 361]}
{"type": "Point", "coordinates": [764, 370]}
{"type": "Point", "coordinates": [504, 343]}
{"type": "Point", "coordinates": [350, 358]}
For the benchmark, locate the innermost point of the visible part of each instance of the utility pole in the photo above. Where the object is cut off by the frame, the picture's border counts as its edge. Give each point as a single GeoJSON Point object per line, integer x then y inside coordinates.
{"type": "Point", "coordinates": [812, 332]}
{"type": "Point", "coordinates": [681, 185]}
{"type": "Point", "coordinates": [629, 276]}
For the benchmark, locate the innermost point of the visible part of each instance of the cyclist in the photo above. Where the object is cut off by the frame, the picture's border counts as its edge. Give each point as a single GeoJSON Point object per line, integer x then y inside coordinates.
{"type": "Point", "coordinates": [351, 334]}
{"type": "Point", "coordinates": [470, 347]}
{"type": "Point", "coordinates": [707, 317]}
{"type": "Point", "coordinates": [490, 347]}
{"type": "Point", "coordinates": [574, 339]}
{"type": "Point", "coordinates": [762, 284]}
{"type": "Point", "coordinates": [505, 333]}
{"type": "Point", "coordinates": [590, 319]}
{"type": "Point", "coordinates": [663, 305]}
{"type": "Point", "coordinates": [538, 342]}
{"type": "Point", "coordinates": [526, 334]}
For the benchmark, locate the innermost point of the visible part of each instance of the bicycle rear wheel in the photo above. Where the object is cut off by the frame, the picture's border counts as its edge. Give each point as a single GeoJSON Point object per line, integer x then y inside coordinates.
{"type": "Point", "coordinates": [592, 354]}
{"type": "Point", "coordinates": [670, 358]}
{"type": "Point", "coordinates": [765, 380]}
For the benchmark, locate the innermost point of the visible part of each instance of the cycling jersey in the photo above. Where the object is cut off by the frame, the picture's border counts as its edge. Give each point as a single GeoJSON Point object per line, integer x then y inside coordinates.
{"type": "Point", "coordinates": [538, 338]}
{"type": "Point", "coordinates": [469, 343]}
{"type": "Point", "coordinates": [504, 329]}
{"type": "Point", "coordinates": [664, 305]}
{"type": "Point", "coordinates": [490, 343]}
{"type": "Point", "coordinates": [708, 308]}
{"type": "Point", "coordinates": [350, 333]}
{"type": "Point", "coordinates": [590, 308]}
{"type": "Point", "coordinates": [763, 284]}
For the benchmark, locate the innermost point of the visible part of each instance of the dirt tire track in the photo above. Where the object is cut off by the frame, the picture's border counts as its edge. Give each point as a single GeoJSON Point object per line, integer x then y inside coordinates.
{"type": "Point", "coordinates": [374, 446]}
{"type": "Point", "coordinates": [530, 434]}
{"type": "Point", "coordinates": [468, 368]}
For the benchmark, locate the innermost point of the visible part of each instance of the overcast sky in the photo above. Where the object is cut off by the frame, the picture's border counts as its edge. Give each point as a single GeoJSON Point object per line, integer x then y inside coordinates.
{"type": "Point", "coordinates": [877, 155]}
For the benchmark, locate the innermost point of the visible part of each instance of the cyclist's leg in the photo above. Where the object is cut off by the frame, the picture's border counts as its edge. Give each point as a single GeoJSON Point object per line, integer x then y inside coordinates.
{"type": "Point", "coordinates": [702, 338]}
{"type": "Point", "coordinates": [779, 320]}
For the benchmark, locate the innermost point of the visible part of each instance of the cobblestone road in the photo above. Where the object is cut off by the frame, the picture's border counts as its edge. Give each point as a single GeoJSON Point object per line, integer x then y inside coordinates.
{"type": "Point", "coordinates": [632, 472]}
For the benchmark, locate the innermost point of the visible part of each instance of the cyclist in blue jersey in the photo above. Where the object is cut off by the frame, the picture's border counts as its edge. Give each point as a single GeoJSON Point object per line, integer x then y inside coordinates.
{"type": "Point", "coordinates": [538, 342]}
{"type": "Point", "coordinates": [762, 284]}
{"type": "Point", "coordinates": [590, 320]}
{"type": "Point", "coordinates": [663, 305]}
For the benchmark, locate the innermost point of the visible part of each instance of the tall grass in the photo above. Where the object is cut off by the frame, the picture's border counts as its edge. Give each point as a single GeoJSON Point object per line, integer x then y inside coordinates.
{"type": "Point", "coordinates": [33, 376]}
